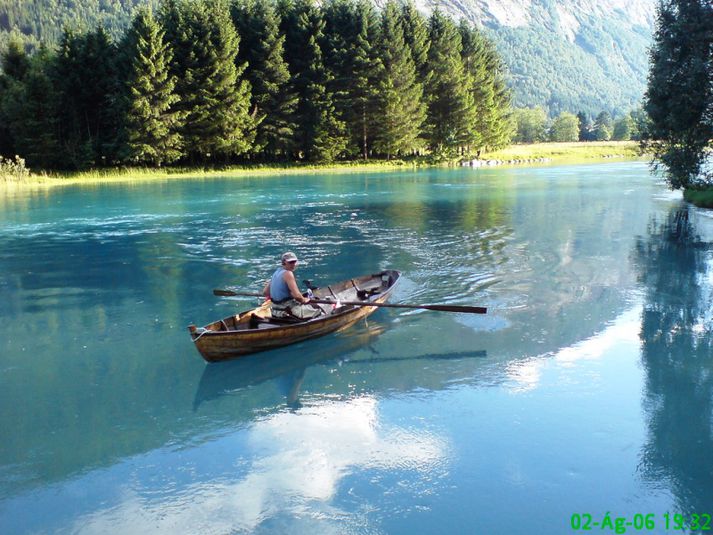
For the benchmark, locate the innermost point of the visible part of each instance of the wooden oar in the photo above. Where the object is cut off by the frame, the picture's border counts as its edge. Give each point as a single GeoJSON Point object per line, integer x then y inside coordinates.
{"type": "Point", "coordinates": [440, 308]}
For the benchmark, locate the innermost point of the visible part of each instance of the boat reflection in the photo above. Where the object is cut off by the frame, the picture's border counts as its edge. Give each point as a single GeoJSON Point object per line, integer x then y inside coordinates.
{"type": "Point", "coordinates": [290, 363]}
{"type": "Point", "coordinates": [287, 367]}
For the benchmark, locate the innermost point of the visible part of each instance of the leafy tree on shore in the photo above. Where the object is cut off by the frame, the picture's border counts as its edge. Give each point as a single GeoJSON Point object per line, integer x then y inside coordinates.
{"type": "Point", "coordinates": [565, 128]}
{"type": "Point", "coordinates": [679, 99]}
{"type": "Point", "coordinates": [151, 123]}
{"type": "Point", "coordinates": [530, 125]}
{"type": "Point", "coordinates": [621, 131]}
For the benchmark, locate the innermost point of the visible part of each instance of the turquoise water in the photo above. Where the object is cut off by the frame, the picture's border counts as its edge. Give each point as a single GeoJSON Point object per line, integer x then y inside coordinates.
{"type": "Point", "coordinates": [586, 390]}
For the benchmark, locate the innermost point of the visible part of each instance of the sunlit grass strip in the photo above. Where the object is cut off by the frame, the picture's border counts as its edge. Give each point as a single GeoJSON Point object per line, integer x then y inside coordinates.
{"type": "Point", "coordinates": [139, 174]}
{"type": "Point", "coordinates": [567, 151]}
{"type": "Point", "coordinates": [556, 152]}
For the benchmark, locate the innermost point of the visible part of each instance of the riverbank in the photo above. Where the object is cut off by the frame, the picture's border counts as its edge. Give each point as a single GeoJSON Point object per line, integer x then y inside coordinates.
{"type": "Point", "coordinates": [702, 198]}
{"type": "Point", "coordinates": [563, 152]}
{"type": "Point", "coordinates": [513, 155]}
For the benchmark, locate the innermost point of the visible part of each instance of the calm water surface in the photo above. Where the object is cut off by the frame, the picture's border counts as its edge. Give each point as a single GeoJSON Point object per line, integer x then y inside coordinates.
{"type": "Point", "coordinates": [587, 389]}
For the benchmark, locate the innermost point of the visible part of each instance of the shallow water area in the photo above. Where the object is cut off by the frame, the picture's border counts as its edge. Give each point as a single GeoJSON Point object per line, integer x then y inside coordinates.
{"type": "Point", "coordinates": [585, 390]}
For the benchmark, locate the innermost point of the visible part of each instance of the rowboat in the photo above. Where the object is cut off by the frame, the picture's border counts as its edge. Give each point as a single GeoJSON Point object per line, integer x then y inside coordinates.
{"type": "Point", "coordinates": [256, 330]}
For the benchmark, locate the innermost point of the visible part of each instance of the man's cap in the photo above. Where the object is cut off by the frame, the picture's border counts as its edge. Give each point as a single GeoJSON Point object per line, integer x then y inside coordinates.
{"type": "Point", "coordinates": [289, 257]}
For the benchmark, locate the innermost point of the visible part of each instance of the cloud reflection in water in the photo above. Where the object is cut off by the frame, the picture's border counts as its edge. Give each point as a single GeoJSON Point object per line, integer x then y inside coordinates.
{"type": "Point", "coordinates": [299, 460]}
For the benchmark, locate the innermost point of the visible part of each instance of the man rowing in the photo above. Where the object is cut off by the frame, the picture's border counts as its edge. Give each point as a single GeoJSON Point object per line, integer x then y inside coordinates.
{"type": "Point", "coordinates": [282, 290]}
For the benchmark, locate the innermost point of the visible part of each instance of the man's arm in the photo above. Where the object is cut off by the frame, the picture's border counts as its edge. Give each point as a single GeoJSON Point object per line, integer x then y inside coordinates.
{"type": "Point", "coordinates": [266, 290]}
{"type": "Point", "coordinates": [292, 285]}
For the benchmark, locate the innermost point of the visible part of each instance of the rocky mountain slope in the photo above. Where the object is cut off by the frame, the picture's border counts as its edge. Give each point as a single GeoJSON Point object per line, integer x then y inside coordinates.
{"type": "Point", "coordinates": [563, 55]}
{"type": "Point", "coordinates": [567, 55]}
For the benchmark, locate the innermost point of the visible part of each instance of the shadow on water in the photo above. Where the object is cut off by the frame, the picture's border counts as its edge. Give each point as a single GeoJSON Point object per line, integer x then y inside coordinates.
{"type": "Point", "coordinates": [288, 366]}
{"type": "Point", "coordinates": [292, 361]}
{"type": "Point", "coordinates": [675, 265]}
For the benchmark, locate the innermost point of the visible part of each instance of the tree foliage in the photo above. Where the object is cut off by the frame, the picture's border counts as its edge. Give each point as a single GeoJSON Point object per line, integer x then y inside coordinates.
{"type": "Point", "coordinates": [151, 129]}
{"type": "Point", "coordinates": [401, 107]}
{"type": "Point", "coordinates": [219, 81]}
{"type": "Point", "coordinates": [565, 128]}
{"type": "Point", "coordinates": [530, 124]}
{"type": "Point", "coordinates": [679, 99]}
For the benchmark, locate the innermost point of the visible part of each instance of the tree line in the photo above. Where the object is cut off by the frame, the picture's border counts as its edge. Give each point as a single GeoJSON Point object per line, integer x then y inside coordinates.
{"type": "Point", "coordinates": [221, 81]}
{"type": "Point", "coordinates": [533, 126]}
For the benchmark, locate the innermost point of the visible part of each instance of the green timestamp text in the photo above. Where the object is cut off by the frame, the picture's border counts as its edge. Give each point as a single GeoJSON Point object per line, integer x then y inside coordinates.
{"type": "Point", "coordinates": [641, 522]}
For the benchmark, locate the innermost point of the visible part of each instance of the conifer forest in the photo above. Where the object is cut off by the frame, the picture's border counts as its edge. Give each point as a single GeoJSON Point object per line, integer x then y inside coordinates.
{"type": "Point", "coordinates": [214, 82]}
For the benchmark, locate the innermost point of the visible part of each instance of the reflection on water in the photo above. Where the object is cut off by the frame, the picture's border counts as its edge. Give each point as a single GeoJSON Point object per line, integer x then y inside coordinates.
{"type": "Point", "coordinates": [289, 364]}
{"type": "Point", "coordinates": [411, 423]}
{"type": "Point", "coordinates": [676, 262]}
{"type": "Point", "coordinates": [283, 476]}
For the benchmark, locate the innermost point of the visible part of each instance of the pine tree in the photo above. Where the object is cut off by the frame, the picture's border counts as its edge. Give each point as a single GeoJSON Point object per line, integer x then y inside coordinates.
{"type": "Point", "coordinates": [338, 48]}
{"type": "Point", "coordinates": [494, 124]}
{"type": "Point", "coordinates": [273, 99]}
{"type": "Point", "coordinates": [152, 124]}
{"type": "Point", "coordinates": [14, 64]}
{"type": "Point", "coordinates": [87, 82]}
{"type": "Point", "coordinates": [416, 38]}
{"type": "Point", "coordinates": [214, 97]}
{"type": "Point", "coordinates": [366, 70]}
{"type": "Point", "coordinates": [602, 129]}
{"type": "Point", "coordinates": [321, 134]}
{"type": "Point", "coordinates": [14, 61]}
{"type": "Point", "coordinates": [400, 101]}
{"type": "Point", "coordinates": [679, 98]}
{"type": "Point", "coordinates": [28, 108]}
{"type": "Point", "coordinates": [585, 127]}
{"type": "Point", "coordinates": [451, 106]}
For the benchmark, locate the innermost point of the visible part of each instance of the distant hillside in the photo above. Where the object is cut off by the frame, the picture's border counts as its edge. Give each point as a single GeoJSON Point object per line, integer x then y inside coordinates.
{"type": "Point", "coordinates": [574, 55]}
{"type": "Point", "coordinates": [42, 21]}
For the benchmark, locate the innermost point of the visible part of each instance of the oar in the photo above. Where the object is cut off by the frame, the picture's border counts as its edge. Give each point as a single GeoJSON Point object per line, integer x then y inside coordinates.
{"type": "Point", "coordinates": [440, 308]}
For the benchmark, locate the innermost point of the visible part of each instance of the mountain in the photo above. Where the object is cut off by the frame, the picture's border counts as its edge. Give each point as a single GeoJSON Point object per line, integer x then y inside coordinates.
{"type": "Point", "coordinates": [566, 55]}
{"type": "Point", "coordinates": [563, 55]}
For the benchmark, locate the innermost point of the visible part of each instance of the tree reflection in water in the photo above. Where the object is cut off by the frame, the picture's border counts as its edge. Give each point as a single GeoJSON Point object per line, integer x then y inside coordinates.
{"type": "Point", "coordinates": [676, 272]}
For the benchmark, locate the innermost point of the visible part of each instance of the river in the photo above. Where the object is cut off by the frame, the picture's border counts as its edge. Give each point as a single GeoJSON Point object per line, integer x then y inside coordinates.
{"type": "Point", "coordinates": [585, 393]}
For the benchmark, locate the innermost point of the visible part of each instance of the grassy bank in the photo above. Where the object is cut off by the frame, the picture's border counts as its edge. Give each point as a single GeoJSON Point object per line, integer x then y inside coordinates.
{"type": "Point", "coordinates": [703, 198]}
{"type": "Point", "coordinates": [556, 152]}
{"type": "Point", "coordinates": [567, 152]}
{"type": "Point", "coordinates": [139, 174]}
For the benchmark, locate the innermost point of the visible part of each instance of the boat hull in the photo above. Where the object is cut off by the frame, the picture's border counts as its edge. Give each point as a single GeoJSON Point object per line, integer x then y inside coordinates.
{"type": "Point", "coordinates": [230, 338]}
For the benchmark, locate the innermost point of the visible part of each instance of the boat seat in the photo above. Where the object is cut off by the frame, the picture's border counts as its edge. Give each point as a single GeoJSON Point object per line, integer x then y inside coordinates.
{"type": "Point", "coordinates": [257, 322]}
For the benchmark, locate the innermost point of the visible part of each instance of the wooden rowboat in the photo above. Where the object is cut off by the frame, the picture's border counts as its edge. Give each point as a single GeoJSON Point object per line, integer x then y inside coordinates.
{"type": "Point", "coordinates": [256, 330]}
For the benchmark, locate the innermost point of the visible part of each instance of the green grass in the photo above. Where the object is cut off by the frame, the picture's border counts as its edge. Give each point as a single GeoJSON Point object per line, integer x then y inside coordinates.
{"type": "Point", "coordinates": [703, 198]}
{"type": "Point", "coordinates": [556, 152]}
{"type": "Point", "coordinates": [567, 152]}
